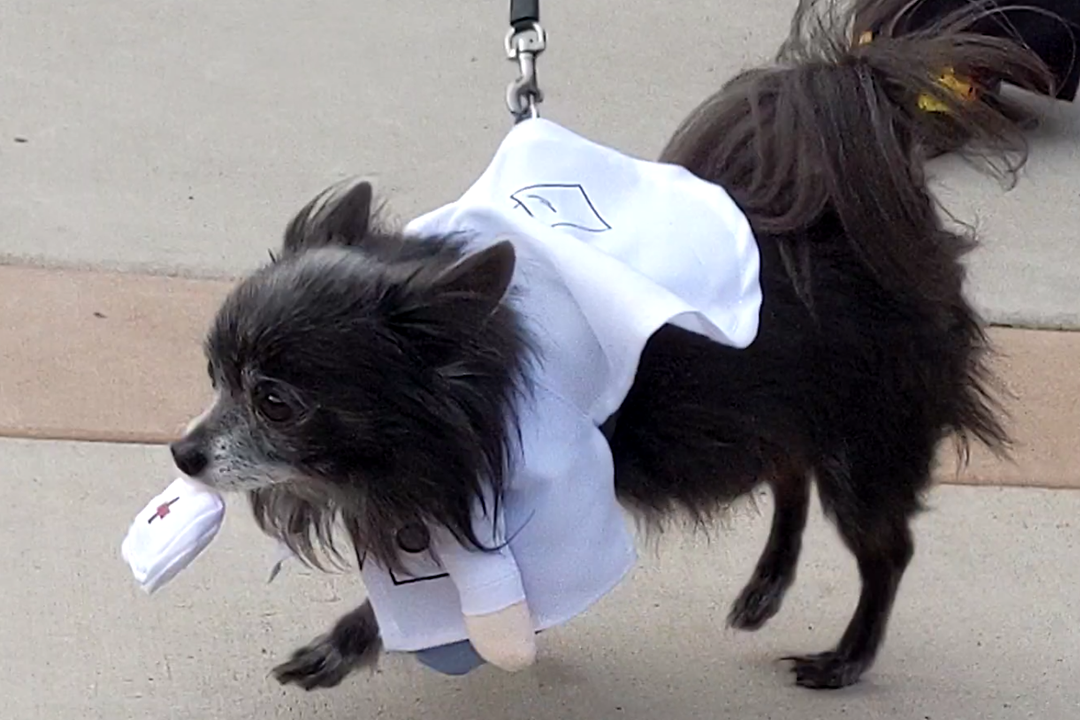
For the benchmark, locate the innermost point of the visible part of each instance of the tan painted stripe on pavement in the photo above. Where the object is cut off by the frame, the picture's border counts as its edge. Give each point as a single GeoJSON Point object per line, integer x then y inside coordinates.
{"type": "Point", "coordinates": [117, 357]}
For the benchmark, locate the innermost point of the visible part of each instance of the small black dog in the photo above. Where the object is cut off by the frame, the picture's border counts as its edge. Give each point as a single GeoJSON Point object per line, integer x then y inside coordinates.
{"type": "Point", "coordinates": [367, 378]}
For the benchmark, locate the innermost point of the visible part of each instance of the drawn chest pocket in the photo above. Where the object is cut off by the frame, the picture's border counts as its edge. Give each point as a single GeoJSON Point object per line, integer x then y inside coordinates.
{"type": "Point", "coordinates": [419, 563]}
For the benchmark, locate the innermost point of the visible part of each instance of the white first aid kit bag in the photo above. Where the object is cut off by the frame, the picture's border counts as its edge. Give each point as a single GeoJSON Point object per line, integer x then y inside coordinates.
{"type": "Point", "coordinates": [171, 531]}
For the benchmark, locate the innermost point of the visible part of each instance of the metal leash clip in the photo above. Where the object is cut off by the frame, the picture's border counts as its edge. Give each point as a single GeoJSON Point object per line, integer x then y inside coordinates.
{"type": "Point", "coordinates": [524, 43]}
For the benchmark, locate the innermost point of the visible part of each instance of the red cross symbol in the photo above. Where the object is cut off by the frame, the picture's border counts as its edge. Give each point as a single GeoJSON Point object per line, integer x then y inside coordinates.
{"type": "Point", "coordinates": [162, 510]}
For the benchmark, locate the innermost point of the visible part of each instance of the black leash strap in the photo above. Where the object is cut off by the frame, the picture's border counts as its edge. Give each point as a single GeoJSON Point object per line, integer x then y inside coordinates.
{"type": "Point", "coordinates": [524, 13]}
{"type": "Point", "coordinates": [524, 42]}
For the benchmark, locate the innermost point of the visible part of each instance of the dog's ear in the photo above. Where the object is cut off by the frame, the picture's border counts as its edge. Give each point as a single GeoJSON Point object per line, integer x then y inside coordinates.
{"type": "Point", "coordinates": [485, 275]}
{"type": "Point", "coordinates": [446, 310]}
{"type": "Point", "coordinates": [339, 215]}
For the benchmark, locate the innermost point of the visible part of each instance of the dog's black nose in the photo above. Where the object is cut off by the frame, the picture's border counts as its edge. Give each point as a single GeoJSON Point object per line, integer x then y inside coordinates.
{"type": "Point", "coordinates": [189, 456]}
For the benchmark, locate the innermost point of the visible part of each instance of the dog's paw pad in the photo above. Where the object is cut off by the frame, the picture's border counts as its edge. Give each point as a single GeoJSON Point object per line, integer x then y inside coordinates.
{"type": "Point", "coordinates": [826, 671]}
{"type": "Point", "coordinates": [318, 665]}
{"type": "Point", "coordinates": [756, 605]}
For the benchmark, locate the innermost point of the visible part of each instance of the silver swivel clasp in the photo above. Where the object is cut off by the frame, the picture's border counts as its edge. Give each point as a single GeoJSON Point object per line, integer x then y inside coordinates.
{"type": "Point", "coordinates": [524, 43]}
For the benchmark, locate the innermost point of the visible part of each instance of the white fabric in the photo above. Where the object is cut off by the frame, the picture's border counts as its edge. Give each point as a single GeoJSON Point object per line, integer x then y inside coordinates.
{"type": "Point", "coordinates": [171, 531]}
{"type": "Point", "coordinates": [609, 248]}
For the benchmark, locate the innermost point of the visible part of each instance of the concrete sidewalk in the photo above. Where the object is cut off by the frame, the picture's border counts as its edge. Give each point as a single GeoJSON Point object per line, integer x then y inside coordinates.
{"type": "Point", "coordinates": [171, 141]}
{"type": "Point", "coordinates": [987, 624]}
{"type": "Point", "coordinates": [177, 137]}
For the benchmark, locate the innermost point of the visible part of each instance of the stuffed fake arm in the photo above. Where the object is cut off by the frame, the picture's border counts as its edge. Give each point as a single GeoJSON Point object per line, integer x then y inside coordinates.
{"type": "Point", "coordinates": [489, 584]}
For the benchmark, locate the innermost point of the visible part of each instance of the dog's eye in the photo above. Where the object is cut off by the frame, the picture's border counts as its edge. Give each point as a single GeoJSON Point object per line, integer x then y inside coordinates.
{"type": "Point", "coordinates": [272, 407]}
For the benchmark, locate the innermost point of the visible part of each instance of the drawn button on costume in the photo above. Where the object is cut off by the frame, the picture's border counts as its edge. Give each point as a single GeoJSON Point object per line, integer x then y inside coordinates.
{"type": "Point", "coordinates": [414, 538]}
{"type": "Point", "coordinates": [419, 564]}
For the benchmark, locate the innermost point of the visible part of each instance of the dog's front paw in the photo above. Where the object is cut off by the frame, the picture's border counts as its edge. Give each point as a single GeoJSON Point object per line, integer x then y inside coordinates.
{"type": "Point", "coordinates": [321, 664]}
{"type": "Point", "coordinates": [757, 604]}
{"type": "Point", "coordinates": [826, 671]}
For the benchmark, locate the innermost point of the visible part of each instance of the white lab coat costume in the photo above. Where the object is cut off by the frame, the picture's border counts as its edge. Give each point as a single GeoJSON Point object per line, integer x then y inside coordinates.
{"type": "Point", "coordinates": [609, 249]}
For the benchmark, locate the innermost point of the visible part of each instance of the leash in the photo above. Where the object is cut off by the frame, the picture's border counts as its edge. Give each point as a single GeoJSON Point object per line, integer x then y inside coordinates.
{"type": "Point", "coordinates": [525, 40]}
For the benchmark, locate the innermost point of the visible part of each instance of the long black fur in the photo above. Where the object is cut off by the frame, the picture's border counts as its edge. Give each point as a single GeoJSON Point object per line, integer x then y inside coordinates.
{"type": "Point", "coordinates": [868, 353]}
{"type": "Point", "coordinates": [409, 374]}
{"type": "Point", "coordinates": [399, 361]}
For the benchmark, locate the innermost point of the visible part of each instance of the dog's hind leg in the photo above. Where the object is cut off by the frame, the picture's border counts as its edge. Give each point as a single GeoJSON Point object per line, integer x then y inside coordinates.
{"type": "Point", "coordinates": [760, 600]}
{"type": "Point", "coordinates": [352, 643]}
{"type": "Point", "coordinates": [872, 499]}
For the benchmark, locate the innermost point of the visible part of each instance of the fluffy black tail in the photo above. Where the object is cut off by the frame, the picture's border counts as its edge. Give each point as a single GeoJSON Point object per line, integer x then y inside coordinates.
{"type": "Point", "coordinates": [831, 139]}
{"type": "Point", "coordinates": [839, 126]}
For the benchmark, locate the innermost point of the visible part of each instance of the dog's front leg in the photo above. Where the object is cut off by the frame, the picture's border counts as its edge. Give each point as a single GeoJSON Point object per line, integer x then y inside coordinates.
{"type": "Point", "coordinates": [352, 643]}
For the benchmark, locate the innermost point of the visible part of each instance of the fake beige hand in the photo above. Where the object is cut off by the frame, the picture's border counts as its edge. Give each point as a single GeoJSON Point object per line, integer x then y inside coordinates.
{"type": "Point", "coordinates": [506, 638]}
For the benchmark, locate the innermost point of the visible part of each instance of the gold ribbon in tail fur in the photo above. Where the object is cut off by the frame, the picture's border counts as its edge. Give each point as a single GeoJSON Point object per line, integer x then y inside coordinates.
{"type": "Point", "coordinates": [963, 88]}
